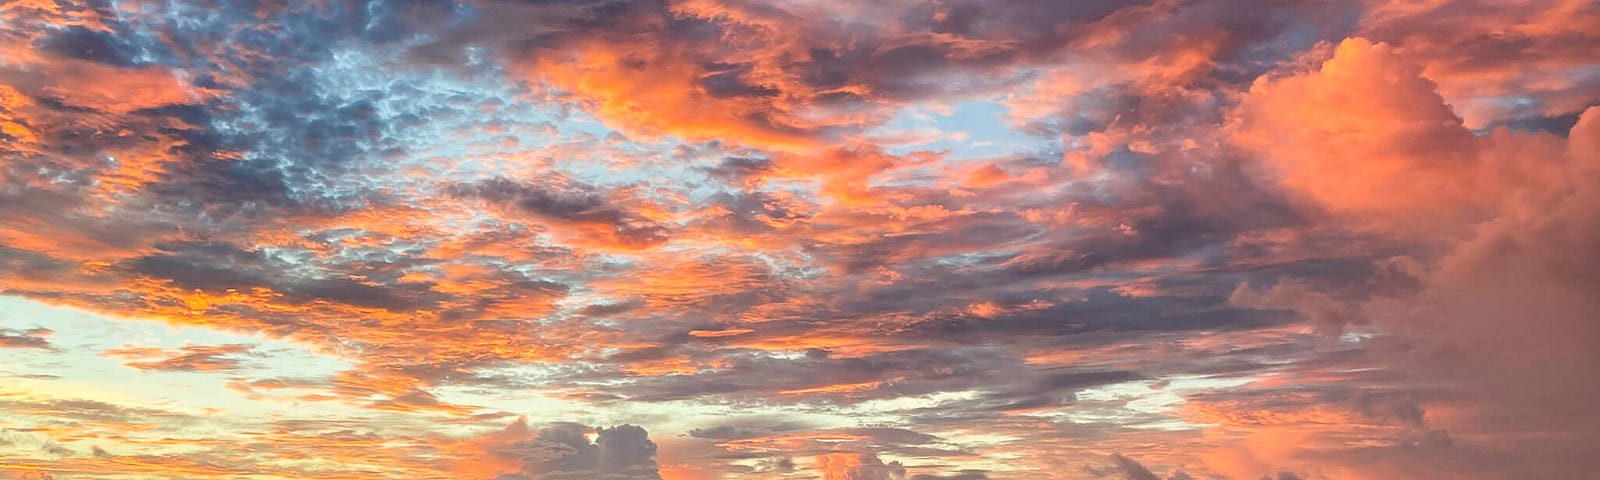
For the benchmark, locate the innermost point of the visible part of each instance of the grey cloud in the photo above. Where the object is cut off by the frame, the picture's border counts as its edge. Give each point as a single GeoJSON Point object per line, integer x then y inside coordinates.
{"type": "Point", "coordinates": [761, 378]}
{"type": "Point", "coordinates": [217, 267]}
{"type": "Point", "coordinates": [30, 338]}
{"type": "Point", "coordinates": [564, 452]}
{"type": "Point", "coordinates": [1315, 305]}
{"type": "Point", "coordinates": [224, 358]}
{"type": "Point", "coordinates": [738, 169]}
{"type": "Point", "coordinates": [573, 202]}
{"type": "Point", "coordinates": [746, 428]}
{"type": "Point", "coordinates": [1132, 470]}
{"type": "Point", "coordinates": [91, 411]}
{"type": "Point", "coordinates": [84, 44]}
{"type": "Point", "coordinates": [1053, 389]}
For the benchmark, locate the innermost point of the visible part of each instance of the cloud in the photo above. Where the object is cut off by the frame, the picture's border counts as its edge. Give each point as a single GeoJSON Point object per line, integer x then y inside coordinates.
{"type": "Point", "coordinates": [1472, 59]}
{"type": "Point", "coordinates": [30, 338]}
{"type": "Point", "coordinates": [1234, 238]}
{"type": "Point", "coordinates": [192, 358]}
{"type": "Point", "coordinates": [1500, 216]}
{"type": "Point", "coordinates": [1326, 313]}
{"type": "Point", "coordinates": [1132, 470]}
{"type": "Point", "coordinates": [1516, 284]}
{"type": "Point", "coordinates": [1364, 134]}
{"type": "Point", "coordinates": [27, 474]}
{"type": "Point", "coordinates": [858, 466]}
{"type": "Point", "coordinates": [560, 452]}
{"type": "Point", "coordinates": [573, 205]}
{"type": "Point", "coordinates": [220, 267]}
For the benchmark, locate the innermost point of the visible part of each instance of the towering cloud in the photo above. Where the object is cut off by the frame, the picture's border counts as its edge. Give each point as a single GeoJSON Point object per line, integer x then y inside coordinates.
{"type": "Point", "coordinates": [1499, 317]}
{"type": "Point", "coordinates": [1366, 135]}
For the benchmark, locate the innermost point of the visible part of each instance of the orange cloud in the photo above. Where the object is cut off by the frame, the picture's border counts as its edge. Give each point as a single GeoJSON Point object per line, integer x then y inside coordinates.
{"type": "Point", "coordinates": [1364, 135]}
{"type": "Point", "coordinates": [654, 88]}
{"type": "Point", "coordinates": [857, 466]}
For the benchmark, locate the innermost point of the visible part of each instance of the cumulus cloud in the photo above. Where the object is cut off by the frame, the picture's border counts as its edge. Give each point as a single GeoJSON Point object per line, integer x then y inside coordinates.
{"type": "Point", "coordinates": [1498, 316]}
{"type": "Point", "coordinates": [1364, 134]}
{"type": "Point", "coordinates": [858, 466]}
{"type": "Point", "coordinates": [561, 452]}
{"type": "Point", "coordinates": [1504, 317]}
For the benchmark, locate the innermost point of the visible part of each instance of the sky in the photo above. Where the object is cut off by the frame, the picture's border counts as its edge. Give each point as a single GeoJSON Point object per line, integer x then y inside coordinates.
{"type": "Point", "coordinates": [799, 239]}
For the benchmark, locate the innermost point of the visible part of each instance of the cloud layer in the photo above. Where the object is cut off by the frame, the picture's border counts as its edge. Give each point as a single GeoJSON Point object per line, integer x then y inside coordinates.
{"type": "Point", "coordinates": [967, 239]}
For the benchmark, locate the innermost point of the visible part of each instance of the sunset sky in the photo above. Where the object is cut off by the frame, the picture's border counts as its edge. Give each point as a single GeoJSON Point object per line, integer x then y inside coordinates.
{"type": "Point", "coordinates": [800, 239]}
